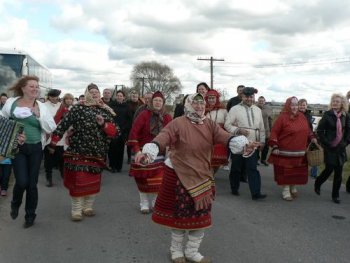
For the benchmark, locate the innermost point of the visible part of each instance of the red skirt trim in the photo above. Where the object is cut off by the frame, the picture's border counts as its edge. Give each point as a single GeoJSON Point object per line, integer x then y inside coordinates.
{"type": "Point", "coordinates": [174, 207]}
{"type": "Point", "coordinates": [150, 170]}
{"type": "Point", "coordinates": [291, 175]}
{"type": "Point", "coordinates": [151, 184]}
{"type": "Point", "coordinates": [219, 156]}
{"type": "Point", "coordinates": [82, 183]}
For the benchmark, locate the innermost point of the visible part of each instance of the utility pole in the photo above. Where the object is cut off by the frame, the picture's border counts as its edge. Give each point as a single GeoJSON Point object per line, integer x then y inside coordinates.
{"type": "Point", "coordinates": [143, 85]}
{"type": "Point", "coordinates": [116, 88]}
{"type": "Point", "coordinates": [211, 68]}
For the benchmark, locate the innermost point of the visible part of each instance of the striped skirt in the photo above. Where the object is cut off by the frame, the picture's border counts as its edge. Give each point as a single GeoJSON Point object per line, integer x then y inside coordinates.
{"type": "Point", "coordinates": [148, 178]}
{"type": "Point", "coordinates": [81, 183]}
{"type": "Point", "coordinates": [174, 207]}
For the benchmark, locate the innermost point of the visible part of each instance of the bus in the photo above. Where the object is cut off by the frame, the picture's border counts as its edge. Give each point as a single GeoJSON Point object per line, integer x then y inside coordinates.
{"type": "Point", "coordinates": [15, 64]}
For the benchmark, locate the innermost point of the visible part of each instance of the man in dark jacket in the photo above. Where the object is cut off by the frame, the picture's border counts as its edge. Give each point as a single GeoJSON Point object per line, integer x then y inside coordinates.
{"type": "Point", "coordinates": [235, 100]}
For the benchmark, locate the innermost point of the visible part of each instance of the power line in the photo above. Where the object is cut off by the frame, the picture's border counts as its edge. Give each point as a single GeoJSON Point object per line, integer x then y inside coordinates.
{"type": "Point", "coordinates": [291, 64]}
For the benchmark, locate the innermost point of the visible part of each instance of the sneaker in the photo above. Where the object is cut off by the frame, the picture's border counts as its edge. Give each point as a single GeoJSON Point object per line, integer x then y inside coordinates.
{"type": "Point", "coordinates": [3, 193]}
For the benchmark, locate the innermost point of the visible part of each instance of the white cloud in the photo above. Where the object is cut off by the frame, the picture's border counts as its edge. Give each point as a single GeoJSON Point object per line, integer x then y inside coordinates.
{"type": "Point", "coordinates": [247, 34]}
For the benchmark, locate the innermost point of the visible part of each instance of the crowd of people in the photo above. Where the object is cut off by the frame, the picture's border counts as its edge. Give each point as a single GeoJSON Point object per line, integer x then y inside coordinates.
{"type": "Point", "coordinates": [173, 158]}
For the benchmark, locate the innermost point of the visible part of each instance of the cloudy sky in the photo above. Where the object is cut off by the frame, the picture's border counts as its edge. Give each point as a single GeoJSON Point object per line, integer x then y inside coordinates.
{"type": "Point", "coordinates": [281, 47]}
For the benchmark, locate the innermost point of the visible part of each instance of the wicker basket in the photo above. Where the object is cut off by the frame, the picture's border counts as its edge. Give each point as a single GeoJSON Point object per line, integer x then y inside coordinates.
{"type": "Point", "coordinates": [314, 154]}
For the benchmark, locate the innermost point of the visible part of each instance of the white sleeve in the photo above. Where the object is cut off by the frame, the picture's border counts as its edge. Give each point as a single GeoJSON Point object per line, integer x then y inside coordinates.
{"type": "Point", "coordinates": [152, 150]}
{"type": "Point", "coordinates": [237, 144]}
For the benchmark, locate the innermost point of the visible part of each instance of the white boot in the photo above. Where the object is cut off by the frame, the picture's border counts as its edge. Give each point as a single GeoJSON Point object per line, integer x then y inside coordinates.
{"type": "Point", "coordinates": [77, 208]}
{"type": "Point", "coordinates": [286, 195]}
{"type": "Point", "coordinates": [88, 205]}
{"type": "Point", "coordinates": [195, 238]}
{"type": "Point", "coordinates": [293, 191]}
{"type": "Point", "coordinates": [154, 199]}
{"type": "Point", "coordinates": [144, 203]}
{"type": "Point", "coordinates": [176, 248]}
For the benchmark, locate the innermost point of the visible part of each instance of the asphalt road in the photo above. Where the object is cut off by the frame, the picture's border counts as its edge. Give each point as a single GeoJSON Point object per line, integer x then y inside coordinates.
{"type": "Point", "coordinates": [309, 229]}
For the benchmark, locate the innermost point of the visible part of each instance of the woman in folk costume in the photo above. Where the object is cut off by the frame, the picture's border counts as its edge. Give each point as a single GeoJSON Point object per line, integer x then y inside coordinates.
{"type": "Point", "coordinates": [334, 134]}
{"type": "Point", "coordinates": [217, 113]}
{"type": "Point", "coordinates": [84, 159]}
{"type": "Point", "coordinates": [288, 139]}
{"type": "Point", "coordinates": [145, 127]}
{"type": "Point", "coordinates": [187, 192]}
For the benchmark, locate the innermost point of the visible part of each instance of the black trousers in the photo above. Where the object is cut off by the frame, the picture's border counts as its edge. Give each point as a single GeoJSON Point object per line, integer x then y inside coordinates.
{"type": "Point", "coordinates": [264, 151]}
{"type": "Point", "coordinates": [254, 179]}
{"type": "Point", "coordinates": [116, 153]}
{"type": "Point", "coordinates": [53, 160]}
{"type": "Point", "coordinates": [337, 178]}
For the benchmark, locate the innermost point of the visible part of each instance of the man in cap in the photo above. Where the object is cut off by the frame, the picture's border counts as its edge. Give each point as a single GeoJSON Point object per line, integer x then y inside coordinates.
{"type": "Point", "coordinates": [50, 160]}
{"type": "Point", "coordinates": [233, 102]}
{"type": "Point", "coordinates": [246, 119]}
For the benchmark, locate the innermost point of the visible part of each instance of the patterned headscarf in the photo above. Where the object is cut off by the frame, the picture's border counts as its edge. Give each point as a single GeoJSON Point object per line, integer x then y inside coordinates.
{"type": "Point", "coordinates": [89, 101]}
{"type": "Point", "coordinates": [189, 110]}
{"type": "Point", "coordinates": [287, 107]}
{"type": "Point", "coordinates": [156, 121]}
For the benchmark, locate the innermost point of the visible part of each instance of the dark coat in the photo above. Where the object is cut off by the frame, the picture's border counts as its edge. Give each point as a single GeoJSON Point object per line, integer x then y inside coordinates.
{"type": "Point", "coordinates": [123, 118]}
{"type": "Point", "coordinates": [233, 102]}
{"type": "Point", "coordinates": [326, 132]}
{"type": "Point", "coordinates": [179, 110]}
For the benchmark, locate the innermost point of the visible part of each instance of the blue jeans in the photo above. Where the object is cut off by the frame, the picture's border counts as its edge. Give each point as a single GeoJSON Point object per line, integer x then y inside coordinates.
{"type": "Point", "coordinates": [254, 179]}
{"type": "Point", "coordinates": [314, 171]}
{"type": "Point", "coordinates": [26, 166]}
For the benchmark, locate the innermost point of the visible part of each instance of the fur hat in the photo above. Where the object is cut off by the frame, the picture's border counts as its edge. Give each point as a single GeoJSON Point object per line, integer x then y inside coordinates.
{"type": "Point", "coordinates": [54, 93]}
{"type": "Point", "coordinates": [248, 91]}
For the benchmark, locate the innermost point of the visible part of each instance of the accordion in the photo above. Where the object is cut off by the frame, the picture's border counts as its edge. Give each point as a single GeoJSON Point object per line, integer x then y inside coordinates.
{"type": "Point", "coordinates": [9, 130]}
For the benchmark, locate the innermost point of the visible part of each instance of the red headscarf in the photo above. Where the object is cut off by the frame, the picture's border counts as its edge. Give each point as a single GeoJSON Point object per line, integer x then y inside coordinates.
{"type": "Point", "coordinates": [217, 105]}
{"type": "Point", "coordinates": [287, 107]}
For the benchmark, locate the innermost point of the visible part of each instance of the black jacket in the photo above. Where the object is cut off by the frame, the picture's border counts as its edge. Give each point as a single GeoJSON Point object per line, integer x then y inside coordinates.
{"type": "Point", "coordinates": [233, 102]}
{"type": "Point", "coordinates": [123, 118]}
{"type": "Point", "coordinates": [326, 132]}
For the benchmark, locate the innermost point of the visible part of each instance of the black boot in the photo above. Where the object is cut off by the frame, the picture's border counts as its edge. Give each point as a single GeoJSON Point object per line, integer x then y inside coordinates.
{"type": "Point", "coordinates": [29, 221]}
{"type": "Point", "coordinates": [48, 181]}
{"type": "Point", "coordinates": [14, 212]}
{"type": "Point", "coordinates": [348, 185]}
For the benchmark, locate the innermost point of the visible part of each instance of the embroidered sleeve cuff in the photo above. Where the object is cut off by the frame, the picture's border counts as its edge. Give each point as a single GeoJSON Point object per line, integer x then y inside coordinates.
{"type": "Point", "coordinates": [152, 150]}
{"type": "Point", "coordinates": [237, 144]}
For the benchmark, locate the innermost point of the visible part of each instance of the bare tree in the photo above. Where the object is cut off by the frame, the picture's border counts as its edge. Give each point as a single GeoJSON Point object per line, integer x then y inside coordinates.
{"type": "Point", "coordinates": [153, 76]}
{"type": "Point", "coordinates": [223, 95]}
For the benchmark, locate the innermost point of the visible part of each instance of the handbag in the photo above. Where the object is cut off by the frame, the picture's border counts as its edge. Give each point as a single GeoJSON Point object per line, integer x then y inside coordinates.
{"type": "Point", "coordinates": [314, 154]}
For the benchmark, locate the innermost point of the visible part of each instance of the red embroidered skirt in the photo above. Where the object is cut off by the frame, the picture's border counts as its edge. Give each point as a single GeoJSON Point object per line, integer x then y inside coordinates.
{"type": "Point", "coordinates": [82, 176]}
{"type": "Point", "coordinates": [82, 183]}
{"type": "Point", "coordinates": [219, 156]}
{"type": "Point", "coordinates": [289, 170]}
{"type": "Point", "coordinates": [291, 175]}
{"type": "Point", "coordinates": [174, 207]}
{"type": "Point", "coordinates": [148, 178]}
